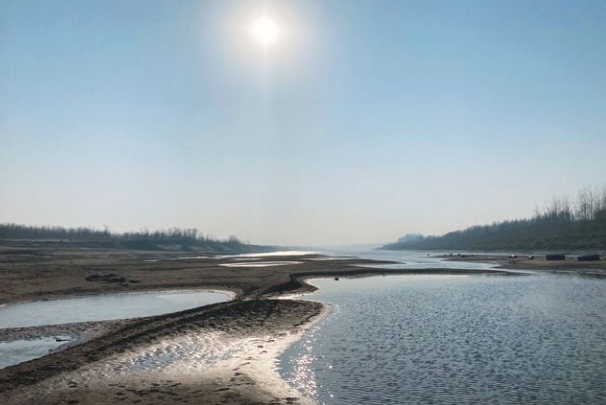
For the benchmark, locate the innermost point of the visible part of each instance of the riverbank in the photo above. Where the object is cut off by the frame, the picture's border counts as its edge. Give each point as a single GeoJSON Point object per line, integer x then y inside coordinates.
{"type": "Point", "coordinates": [537, 263]}
{"type": "Point", "coordinates": [232, 345]}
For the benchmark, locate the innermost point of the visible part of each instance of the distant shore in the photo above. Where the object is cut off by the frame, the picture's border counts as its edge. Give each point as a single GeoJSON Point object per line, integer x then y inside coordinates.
{"type": "Point", "coordinates": [256, 326]}
{"type": "Point", "coordinates": [532, 262]}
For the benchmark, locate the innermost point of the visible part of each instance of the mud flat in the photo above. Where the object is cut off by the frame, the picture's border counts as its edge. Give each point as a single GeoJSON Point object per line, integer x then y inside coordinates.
{"type": "Point", "coordinates": [105, 370]}
{"type": "Point", "coordinates": [538, 263]}
{"type": "Point", "coordinates": [218, 354]}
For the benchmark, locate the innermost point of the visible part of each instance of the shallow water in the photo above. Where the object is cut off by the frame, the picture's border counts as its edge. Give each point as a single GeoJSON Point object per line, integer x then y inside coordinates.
{"type": "Point", "coordinates": [539, 339]}
{"type": "Point", "coordinates": [18, 351]}
{"type": "Point", "coordinates": [103, 307]}
{"type": "Point", "coordinates": [93, 308]}
{"type": "Point", "coordinates": [260, 264]}
{"type": "Point", "coordinates": [269, 254]}
{"type": "Point", "coordinates": [184, 352]}
{"type": "Point", "coordinates": [407, 259]}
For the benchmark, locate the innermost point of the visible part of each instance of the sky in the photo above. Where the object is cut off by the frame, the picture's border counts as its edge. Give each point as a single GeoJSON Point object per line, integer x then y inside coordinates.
{"type": "Point", "coordinates": [364, 121]}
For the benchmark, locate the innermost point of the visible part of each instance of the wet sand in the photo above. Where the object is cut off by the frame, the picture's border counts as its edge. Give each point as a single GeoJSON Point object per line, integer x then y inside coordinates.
{"type": "Point", "coordinates": [539, 263]}
{"type": "Point", "coordinates": [37, 274]}
{"type": "Point", "coordinates": [104, 365]}
{"type": "Point", "coordinates": [257, 329]}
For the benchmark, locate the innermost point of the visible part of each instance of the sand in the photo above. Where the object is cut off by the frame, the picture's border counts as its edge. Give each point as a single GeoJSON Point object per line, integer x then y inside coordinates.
{"type": "Point", "coordinates": [539, 263]}
{"type": "Point", "coordinates": [104, 371]}
{"type": "Point", "coordinates": [218, 354]}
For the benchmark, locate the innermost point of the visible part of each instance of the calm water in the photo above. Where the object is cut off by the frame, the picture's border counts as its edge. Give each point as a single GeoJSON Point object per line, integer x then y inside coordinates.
{"type": "Point", "coordinates": [537, 339]}
{"type": "Point", "coordinates": [407, 259]}
{"type": "Point", "coordinates": [93, 308]}
{"type": "Point", "coordinates": [103, 307]}
{"type": "Point", "coordinates": [18, 351]}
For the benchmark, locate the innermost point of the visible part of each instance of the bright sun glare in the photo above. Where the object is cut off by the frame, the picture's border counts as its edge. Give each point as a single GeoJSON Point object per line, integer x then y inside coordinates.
{"type": "Point", "coordinates": [265, 31]}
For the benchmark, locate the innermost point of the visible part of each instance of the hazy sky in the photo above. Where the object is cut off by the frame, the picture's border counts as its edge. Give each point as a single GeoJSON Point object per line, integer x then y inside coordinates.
{"type": "Point", "coordinates": [366, 120]}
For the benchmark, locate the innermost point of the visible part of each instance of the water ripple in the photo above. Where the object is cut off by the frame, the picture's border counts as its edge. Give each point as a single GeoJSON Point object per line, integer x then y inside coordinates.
{"type": "Point", "coordinates": [462, 340]}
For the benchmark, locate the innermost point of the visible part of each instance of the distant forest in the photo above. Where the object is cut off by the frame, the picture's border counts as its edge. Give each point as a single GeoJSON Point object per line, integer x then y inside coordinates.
{"type": "Point", "coordinates": [169, 239]}
{"type": "Point", "coordinates": [564, 224]}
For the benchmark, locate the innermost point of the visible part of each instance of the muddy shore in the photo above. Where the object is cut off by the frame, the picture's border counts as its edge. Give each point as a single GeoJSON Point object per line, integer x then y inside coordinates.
{"type": "Point", "coordinates": [104, 368]}
{"type": "Point", "coordinates": [537, 263]}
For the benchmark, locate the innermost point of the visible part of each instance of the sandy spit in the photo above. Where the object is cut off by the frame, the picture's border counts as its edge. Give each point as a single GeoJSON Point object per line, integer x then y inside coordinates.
{"type": "Point", "coordinates": [245, 335]}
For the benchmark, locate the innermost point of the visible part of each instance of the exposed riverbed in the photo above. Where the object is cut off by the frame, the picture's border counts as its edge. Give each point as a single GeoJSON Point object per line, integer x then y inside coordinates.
{"type": "Point", "coordinates": [84, 309]}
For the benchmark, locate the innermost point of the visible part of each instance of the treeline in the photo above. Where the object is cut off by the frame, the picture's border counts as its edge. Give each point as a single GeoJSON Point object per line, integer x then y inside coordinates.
{"type": "Point", "coordinates": [16, 231]}
{"type": "Point", "coordinates": [590, 205]}
{"type": "Point", "coordinates": [562, 224]}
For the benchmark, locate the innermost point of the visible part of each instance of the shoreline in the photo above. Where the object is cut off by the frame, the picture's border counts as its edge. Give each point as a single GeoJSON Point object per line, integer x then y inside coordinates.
{"type": "Point", "coordinates": [260, 329]}
{"type": "Point", "coordinates": [264, 314]}
{"type": "Point", "coordinates": [523, 262]}
{"type": "Point", "coordinates": [231, 295]}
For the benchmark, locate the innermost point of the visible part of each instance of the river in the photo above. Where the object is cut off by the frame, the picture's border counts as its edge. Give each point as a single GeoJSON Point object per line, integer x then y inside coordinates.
{"type": "Point", "coordinates": [537, 339]}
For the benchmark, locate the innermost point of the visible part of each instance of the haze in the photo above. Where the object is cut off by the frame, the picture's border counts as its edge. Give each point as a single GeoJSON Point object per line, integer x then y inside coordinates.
{"type": "Point", "coordinates": [364, 121]}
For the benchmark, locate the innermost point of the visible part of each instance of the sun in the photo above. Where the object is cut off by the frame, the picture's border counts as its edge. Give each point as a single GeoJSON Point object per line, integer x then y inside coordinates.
{"type": "Point", "coordinates": [265, 31]}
